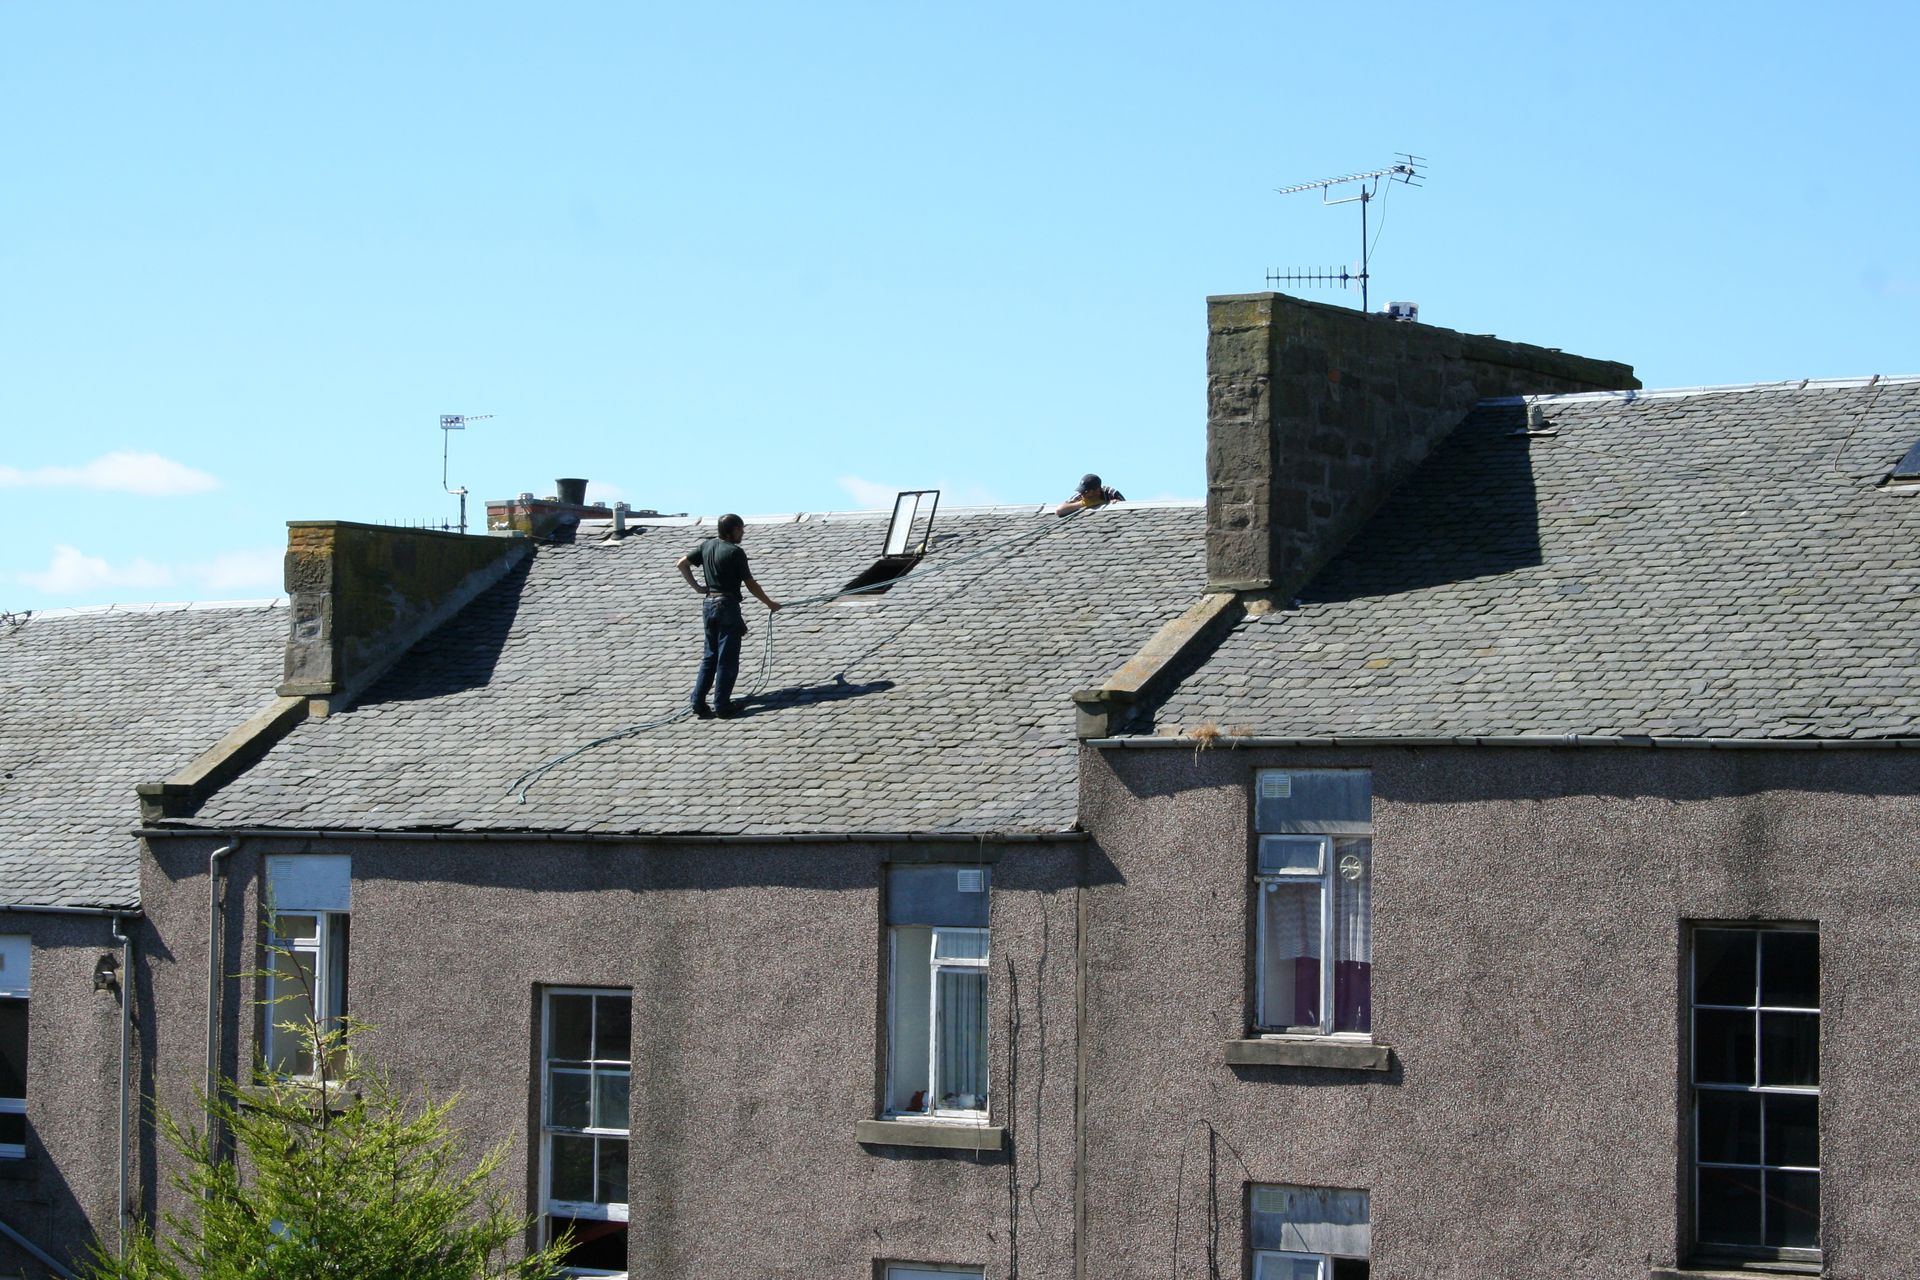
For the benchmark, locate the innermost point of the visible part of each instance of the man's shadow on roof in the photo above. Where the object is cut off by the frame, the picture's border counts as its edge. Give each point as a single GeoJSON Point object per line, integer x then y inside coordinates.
{"type": "Point", "coordinates": [806, 695]}
{"type": "Point", "coordinates": [1469, 511]}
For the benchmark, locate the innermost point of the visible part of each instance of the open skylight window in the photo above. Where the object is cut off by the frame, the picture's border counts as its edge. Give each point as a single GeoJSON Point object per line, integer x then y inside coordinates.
{"type": "Point", "coordinates": [909, 533]}
{"type": "Point", "coordinates": [1908, 468]}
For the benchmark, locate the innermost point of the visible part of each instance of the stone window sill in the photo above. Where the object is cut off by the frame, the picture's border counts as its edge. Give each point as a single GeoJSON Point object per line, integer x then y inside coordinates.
{"type": "Point", "coordinates": [1310, 1051]}
{"type": "Point", "coordinates": [930, 1133]}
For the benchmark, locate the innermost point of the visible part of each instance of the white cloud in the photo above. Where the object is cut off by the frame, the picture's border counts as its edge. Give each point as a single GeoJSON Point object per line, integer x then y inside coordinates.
{"type": "Point", "coordinates": [604, 492]}
{"type": "Point", "coordinates": [147, 474]}
{"type": "Point", "coordinates": [74, 572]}
{"type": "Point", "coordinates": [867, 494]}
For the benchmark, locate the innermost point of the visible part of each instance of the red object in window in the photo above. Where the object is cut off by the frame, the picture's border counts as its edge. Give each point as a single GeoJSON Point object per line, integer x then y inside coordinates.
{"type": "Point", "coordinates": [918, 1102]}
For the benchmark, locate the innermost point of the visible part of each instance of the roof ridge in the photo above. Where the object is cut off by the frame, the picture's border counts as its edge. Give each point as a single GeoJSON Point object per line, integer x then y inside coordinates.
{"type": "Point", "coordinates": [182, 606]}
{"type": "Point", "coordinates": [1730, 388]}
{"type": "Point", "coordinates": [883, 513]}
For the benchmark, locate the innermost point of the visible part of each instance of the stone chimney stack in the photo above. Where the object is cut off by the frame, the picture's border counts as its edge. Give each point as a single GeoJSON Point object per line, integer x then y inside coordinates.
{"type": "Point", "coordinates": [1315, 413]}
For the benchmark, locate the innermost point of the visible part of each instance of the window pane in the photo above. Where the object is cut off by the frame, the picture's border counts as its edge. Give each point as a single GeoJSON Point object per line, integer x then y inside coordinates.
{"type": "Point", "coordinates": [1790, 968]}
{"type": "Point", "coordinates": [1286, 1266]}
{"type": "Point", "coordinates": [947, 895]}
{"type": "Point", "coordinates": [1723, 969]}
{"type": "Point", "coordinates": [1729, 1209]}
{"type": "Point", "coordinates": [612, 1154]}
{"type": "Point", "coordinates": [289, 1012]}
{"type": "Point", "coordinates": [571, 1177]}
{"type": "Point", "coordinates": [959, 944]}
{"type": "Point", "coordinates": [610, 1100]}
{"type": "Point", "coordinates": [1350, 1269]}
{"type": "Point", "coordinates": [1790, 1048]}
{"type": "Point", "coordinates": [567, 1099]}
{"type": "Point", "coordinates": [1353, 934]}
{"type": "Point", "coordinates": [1793, 1129]}
{"type": "Point", "coordinates": [288, 928]}
{"type": "Point", "coordinates": [1722, 1046]}
{"type": "Point", "coordinates": [1290, 954]}
{"type": "Point", "coordinates": [13, 1048]}
{"type": "Point", "coordinates": [909, 1036]}
{"type": "Point", "coordinates": [569, 1027]}
{"type": "Point", "coordinates": [1293, 854]}
{"type": "Point", "coordinates": [960, 1057]}
{"type": "Point", "coordinates": [1793, 1210]}
{"type": "Point", "coordinates": [1310, 799]}
{"type": "Point", "coordinates": [1729, 1127]}
{"type": "Point", "coordinates": [599, 1245]}
{"type": "Point", "coordinates": [13, 1129]}
{"type": "Point", "coordinates": [613, 1028]}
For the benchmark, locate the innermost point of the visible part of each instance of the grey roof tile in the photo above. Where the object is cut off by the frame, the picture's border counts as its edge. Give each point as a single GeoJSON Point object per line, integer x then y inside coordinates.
{"type": "Point", "coordinates": [93, 702]}
{"type": "Point", "coordinates": [1714, 565]}
{"type": "Point", "coordinates": [940, 707]}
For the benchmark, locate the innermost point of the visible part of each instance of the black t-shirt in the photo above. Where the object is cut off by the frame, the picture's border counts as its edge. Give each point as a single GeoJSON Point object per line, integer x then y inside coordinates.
{"type": "Point", "coordinates": [723, 564]}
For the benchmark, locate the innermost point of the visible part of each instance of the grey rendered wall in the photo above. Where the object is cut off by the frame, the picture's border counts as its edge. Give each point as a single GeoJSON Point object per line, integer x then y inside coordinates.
{"type": "Point", "coordinates": [1527, 973]}
{"type": "Point", "coordinates": [68, 1186]}
{"type": "Point", "coordinates": [756, 976]}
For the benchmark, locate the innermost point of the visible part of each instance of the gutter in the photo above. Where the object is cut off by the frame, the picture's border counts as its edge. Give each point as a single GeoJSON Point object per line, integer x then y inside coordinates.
{"type": "Point", "coordinates": [115, 913]}
{"type": "Point", "coordinates": [601, 837]}
{"type": "Point", "coordinates": [1525, 740]}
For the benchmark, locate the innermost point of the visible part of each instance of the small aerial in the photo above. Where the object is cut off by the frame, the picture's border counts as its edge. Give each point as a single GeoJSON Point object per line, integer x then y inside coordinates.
{"type": "Point", "coordinates": [450, 423]}
{"type": "Point", "coordinates": [1406, 171]}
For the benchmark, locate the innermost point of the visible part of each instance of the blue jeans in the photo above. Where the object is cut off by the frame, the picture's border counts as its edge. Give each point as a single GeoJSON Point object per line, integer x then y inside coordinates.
{"type": "Point", "coordinates": [720, 659]}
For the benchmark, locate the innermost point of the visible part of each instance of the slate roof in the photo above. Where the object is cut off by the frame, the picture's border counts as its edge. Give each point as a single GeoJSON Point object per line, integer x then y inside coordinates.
{"type": "Point", "coordinates": [93, 702]}
{"type": "Point", "coordinates": [1713, 564]}
{"type": "Point", "coordinates": [940, 707]}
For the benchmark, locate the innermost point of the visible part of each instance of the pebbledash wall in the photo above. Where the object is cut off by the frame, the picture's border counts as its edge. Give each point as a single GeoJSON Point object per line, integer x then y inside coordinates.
{"type": "Point", "coordinates": [1529, 914]}
{"type": "Point", "coordinates": [67, 1187]}
{"type": "Point", "coordinates": [756, 972]}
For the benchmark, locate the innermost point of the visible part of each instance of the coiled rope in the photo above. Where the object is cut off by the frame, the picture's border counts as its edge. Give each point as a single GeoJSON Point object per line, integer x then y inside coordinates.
{"type": "Point", "coordinates": [524, 783]}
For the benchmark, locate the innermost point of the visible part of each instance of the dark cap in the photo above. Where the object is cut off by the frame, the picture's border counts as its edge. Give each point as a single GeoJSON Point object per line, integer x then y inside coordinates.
{"type": "Point", "coordinates": [1088, 482]}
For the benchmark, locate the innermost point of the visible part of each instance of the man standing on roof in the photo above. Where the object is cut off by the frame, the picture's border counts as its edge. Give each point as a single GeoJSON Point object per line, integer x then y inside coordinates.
{"type": "Point", "coordinates": [724, 566]}
{"type": "Point", "coordinates": [1091, 494]}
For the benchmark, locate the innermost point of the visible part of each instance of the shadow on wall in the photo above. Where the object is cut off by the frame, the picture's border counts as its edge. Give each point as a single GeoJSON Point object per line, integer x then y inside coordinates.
{"type": "Point", "coordinates": [462, 653]}
{"type": "Point", "coordinates": [1470, 511]}
{"type": "Point", "coordinates": [1441, 775]}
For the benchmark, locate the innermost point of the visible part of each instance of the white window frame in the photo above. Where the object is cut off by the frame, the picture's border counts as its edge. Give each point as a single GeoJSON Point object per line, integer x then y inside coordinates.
{"type": "Point", "coordinates": [935, 964]}
{"type": "Point", "coordinates": [16, 982]}
{"type": "Point", "coordinates": [583, 1210]}
{"type": "Point", "coordinates": [935, 967]}
{"type": "Point", "coordinates": [326, 958]}
{"type": "Point", "coordinates": [1756, 1089]}
{"type": "Point", "coordinates": [1271, 881]}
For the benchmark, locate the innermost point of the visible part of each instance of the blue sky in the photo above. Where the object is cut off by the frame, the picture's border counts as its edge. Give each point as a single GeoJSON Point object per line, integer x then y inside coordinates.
{"type": "Point", "coordinates": [771, 258]}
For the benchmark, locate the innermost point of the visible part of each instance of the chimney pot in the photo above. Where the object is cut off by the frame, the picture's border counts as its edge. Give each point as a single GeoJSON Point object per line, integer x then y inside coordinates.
{"type": "Point", "coordinates": [572, 491]}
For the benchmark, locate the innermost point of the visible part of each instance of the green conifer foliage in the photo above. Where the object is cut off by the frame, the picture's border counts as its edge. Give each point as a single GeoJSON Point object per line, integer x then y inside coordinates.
{"type": "Point", "coordinates": [339, 1178]}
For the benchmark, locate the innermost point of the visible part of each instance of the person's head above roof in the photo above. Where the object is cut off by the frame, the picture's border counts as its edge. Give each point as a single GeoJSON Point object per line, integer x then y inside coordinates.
{"type": "Point", "coordinates": [1089, 483]}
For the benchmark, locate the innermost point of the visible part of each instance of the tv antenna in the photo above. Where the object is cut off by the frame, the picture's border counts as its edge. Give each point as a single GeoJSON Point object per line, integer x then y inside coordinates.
{"type": "Point", "coordinates": [1407, 172]}
{"type": "Point", "coordinates": [450, 423]}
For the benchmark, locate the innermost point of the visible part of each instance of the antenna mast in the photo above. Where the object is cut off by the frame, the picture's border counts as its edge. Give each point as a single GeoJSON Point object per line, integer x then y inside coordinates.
{"type": "Point", "coordinates": [1407, 171]}
{"type": "Point", "coordinates": [450, 423]}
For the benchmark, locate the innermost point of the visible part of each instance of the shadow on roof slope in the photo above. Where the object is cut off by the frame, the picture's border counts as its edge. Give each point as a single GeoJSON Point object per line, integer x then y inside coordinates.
{"type": "Point", "coordinates": [1470, 511]}
{"type": "Point", "coordinates": [462, 652]}
{"type": "Point", "coordinates": [837, 689]}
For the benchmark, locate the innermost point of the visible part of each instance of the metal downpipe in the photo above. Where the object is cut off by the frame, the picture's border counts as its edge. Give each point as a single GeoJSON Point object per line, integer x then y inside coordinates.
{"type": "Point", "coordinates": [214, 982]}
{"type": "Point", "coordinates": [125, 939]}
